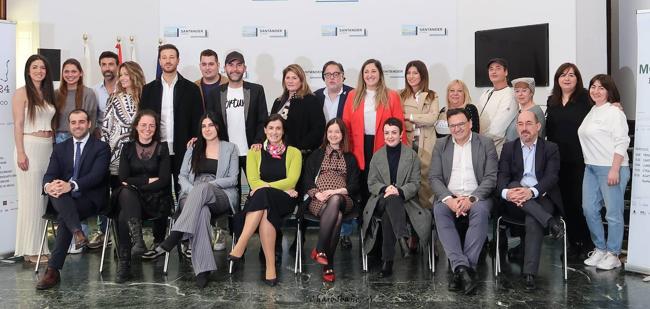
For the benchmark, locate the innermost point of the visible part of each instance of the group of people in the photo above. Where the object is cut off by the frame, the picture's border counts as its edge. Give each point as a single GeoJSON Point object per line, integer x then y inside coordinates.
{"type": "Point", "coordinates": [393, 161]}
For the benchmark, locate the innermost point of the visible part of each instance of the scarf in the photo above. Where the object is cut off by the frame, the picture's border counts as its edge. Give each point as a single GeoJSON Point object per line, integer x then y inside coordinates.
{"type": "Point", "coordinates": [275, 151]}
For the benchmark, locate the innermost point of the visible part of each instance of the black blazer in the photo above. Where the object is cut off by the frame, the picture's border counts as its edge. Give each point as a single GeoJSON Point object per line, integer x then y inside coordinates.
{"type": "Point", "coordinates": [353, 181]}
{"type": "Point", "coordinates": [254, 108]}
{"type": "Point", "coordinates": [305, 122]}
{"type": "Point", "coordinates": [320, 95]}
{"type": "Point", "coordinates": [547, 169]}
{"type": "Point", "coordinates": [188, 108]}
{"type": "Point", "coordinates": [93, 171]}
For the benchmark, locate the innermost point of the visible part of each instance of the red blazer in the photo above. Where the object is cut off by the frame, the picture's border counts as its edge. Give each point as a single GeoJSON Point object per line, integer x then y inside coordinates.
{"type": "Point", "coordinates": [353, 120]}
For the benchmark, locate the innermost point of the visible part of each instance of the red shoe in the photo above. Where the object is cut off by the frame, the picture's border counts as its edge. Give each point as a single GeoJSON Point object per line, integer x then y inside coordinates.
{"type": "Point", "coordinates": [320, 258]}
{"type": "Point", "coordinates": [328, 275]}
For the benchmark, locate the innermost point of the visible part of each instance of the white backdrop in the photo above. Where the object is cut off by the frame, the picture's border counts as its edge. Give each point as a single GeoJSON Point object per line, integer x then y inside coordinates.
{"type": "Point", "coordinates": [638, 259]}
{"type": "Point", "coordinates": [306, 29]}
{"type": "Point", "coordinates": [8, 202]}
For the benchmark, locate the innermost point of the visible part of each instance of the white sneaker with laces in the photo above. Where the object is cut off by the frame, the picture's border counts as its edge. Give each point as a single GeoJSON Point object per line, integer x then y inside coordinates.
{"type": "Point", "coordinates": [72, 250]}
{"type": "Point", "coordinates": [594, 257]}
{"type": "Point", "coordinates": [220, 241]}
{"type": "Point", "coordinates": [610, 261]}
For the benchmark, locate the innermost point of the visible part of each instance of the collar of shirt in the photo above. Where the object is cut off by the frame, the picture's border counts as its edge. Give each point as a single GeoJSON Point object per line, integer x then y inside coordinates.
{"type": "Point", "coordinates": [83, 140]}
{"type": "Point", "coordinates": [469, 141]}
{"type": "Point", "coordinates": [526, 147]}
{"type": "Point", "coordinates": [165, 84]}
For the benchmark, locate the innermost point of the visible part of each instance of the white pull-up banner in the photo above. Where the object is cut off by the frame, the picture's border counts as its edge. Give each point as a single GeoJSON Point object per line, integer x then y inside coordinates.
{"type": "Point", "coordinates": [638, 259]}
{"type": "Point", "coordinates": [8, 203]}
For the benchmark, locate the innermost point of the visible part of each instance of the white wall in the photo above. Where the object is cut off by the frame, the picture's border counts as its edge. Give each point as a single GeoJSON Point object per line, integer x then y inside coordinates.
{"type": "Point", "coordinates": [577, 31]}
{"type": "Point", "coordinates": [624, 50]}
{"type": "Point", "coordinates": [565, 19]}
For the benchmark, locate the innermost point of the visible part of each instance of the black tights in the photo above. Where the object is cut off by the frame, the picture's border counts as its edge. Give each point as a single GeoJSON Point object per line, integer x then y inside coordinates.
{"type": "Point", "coordinates": [330, 226]}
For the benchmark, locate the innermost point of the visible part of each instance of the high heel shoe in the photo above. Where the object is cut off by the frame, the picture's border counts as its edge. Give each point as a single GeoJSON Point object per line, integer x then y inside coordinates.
{"type": "Point", "coordinates": [236, 260]}
{"type": "Point", "coordinates": [328, 274]}
{"type": "Point", "coordinates": [271, 282]}
{"type": "Point", "coordinates": [319, 257]}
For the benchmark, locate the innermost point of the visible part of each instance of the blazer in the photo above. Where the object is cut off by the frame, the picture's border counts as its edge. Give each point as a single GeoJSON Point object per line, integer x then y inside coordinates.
{"type": "Point", "coordinates": [547, 169]}
{"type": "Point", "coordinates": [320, 95]}
{"type": "Point", "coordinates": [408, 180]}
{"type": "Point", "coordinates": [353, 120]}
{"type": "Point", "coordinates": [352, 181]}
{"type": "Point", "coordinates": [226, 177]}
{"type": "Point", "coordinates": [255, 112]}
{"type": "Point", "coordinates": [305, 122]}
{"type": "Point", "coordinates": [93, 171]}
{"type": "Point", "coordinates": [484, 161]}
{"type": "Point", "coordinates": [188, 109]}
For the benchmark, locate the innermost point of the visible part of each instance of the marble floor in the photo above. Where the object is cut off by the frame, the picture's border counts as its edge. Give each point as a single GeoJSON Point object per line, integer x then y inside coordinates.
{"type": "Point", "coordinates": [412, 285]}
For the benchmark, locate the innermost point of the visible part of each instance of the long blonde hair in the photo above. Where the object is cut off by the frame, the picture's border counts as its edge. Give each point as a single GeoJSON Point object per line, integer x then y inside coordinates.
{"type": "Point", "coordinates": [468, 99]}
{"type": "Point", "coordinates": [304, 87]}
{"type": "Point", "coordinates": [382, 90]}
{"type": "Point", "coordinates": [137, 79]}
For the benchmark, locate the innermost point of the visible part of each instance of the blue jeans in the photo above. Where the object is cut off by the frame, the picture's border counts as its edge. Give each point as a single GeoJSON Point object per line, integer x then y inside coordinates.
{"type": "Point", "coordinates": [347, 227]}
{"type": "Point", "coordinates": [595, 191]}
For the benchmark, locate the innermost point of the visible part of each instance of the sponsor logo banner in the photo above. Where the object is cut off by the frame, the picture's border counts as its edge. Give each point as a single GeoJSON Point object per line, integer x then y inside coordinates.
{"type": "Point", "coordinates": [347, 31]}
{"type": "Point", "coordinates": [423, 30]}
{"type": "Point", "coordinates": [185, 32]}
{"type": "Point", "coordinates": [269, 32]}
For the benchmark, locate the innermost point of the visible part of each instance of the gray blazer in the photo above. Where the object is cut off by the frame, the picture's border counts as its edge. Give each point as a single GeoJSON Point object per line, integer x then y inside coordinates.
{"type": "Point", "coordinates": [226, 177]}
{"type": "Point", "coordinates": [408, 179]}
{"type": "Point", "coordinates": [484, 161]}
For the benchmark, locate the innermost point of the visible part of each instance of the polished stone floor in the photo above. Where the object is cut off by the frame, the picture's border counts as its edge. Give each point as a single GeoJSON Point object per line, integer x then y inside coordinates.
{"type": "Point", "coordinates": [412, 285]}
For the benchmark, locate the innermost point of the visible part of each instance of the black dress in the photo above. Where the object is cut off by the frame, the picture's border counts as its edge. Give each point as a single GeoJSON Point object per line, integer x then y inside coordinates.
{"type": "Point", "coordinates": [276, 202]}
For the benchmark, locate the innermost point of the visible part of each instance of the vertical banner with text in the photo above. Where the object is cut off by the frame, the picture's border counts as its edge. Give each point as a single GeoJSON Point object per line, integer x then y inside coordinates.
{"type": "Point", "coordinates": [638, 244]}
{"type": "Point", "coordinates": [8, 203]}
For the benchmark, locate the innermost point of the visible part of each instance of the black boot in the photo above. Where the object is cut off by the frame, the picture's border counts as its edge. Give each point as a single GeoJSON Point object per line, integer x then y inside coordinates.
{"type": "Point", "coordinates": [135, 228]}
{"type": "Point", "coordinates": [386, 269]}
{"type": "Point", "coordinates": [124, 266]}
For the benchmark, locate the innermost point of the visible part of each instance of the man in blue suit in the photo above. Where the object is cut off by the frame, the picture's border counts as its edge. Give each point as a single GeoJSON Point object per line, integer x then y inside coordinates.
{"type": "Point", "coordinates": [77, 185]}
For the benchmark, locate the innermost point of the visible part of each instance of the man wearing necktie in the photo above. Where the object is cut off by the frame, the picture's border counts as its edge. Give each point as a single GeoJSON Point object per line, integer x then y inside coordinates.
{"type": "Point", "coordinates": [77, 185]}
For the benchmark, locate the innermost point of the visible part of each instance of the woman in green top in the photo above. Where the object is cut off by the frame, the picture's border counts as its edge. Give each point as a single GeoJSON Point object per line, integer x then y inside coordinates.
{"type": "Point", "coordinates": [273, 173]}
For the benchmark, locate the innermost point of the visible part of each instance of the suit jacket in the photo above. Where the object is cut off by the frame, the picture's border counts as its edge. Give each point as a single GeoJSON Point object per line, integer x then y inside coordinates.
{"type": "Point", "coordinates": [484, 161]}
{"type": "Point", "coordinates": [320, 95]}
{"type": "Point", "coordinates": [93, 171]}
{"type": "Point", "coordinates": [547, 169]}
{"type": "Point", "coordinates": [188, 108]}
{"type": "Point", "coordinates": [255, 112]}
{"type": "Point", "coordinates": [226, 177]}
{"type": "Point", "coordinates": [353, 119]}
{"type": "Point", "coordinates": [305, 122]}
{"type": "Point", "coordinates": [408, 180]}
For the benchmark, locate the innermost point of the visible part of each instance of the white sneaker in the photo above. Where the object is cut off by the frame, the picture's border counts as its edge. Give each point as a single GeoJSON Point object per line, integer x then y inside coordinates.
{"type": "Point", "coordinates": [594, 257]}
{"type": "Point", "coordinates": [220, 240]}
{"type": "Point", "coordinates": [72, 250]}
{"type": "Point", "coordinates": [610, 261]}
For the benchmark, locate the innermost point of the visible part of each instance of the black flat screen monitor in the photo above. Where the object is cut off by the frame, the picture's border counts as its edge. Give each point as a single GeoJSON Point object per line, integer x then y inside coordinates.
{"type": "Point", "coordinates": [525, 48]}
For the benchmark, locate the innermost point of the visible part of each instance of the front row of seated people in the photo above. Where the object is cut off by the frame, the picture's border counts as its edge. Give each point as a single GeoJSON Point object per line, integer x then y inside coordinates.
{"type": "Point", "coordinates": [463, 174]}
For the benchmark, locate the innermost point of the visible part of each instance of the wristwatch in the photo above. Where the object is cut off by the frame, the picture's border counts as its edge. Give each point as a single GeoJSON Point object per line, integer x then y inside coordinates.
{"type": "Point", "coordinates": [73, 186]}
{"type": "Point", "coordinates": [473, 199]}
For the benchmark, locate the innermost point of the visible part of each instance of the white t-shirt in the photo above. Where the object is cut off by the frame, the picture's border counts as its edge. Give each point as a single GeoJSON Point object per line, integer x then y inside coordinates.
{"type": "Point", "coordinates": [236, 120]}
{"type": "Point", "coordinates": [369, 113]}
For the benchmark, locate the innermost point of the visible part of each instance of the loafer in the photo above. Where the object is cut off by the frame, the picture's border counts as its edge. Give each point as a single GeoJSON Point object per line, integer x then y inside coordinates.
{"type": "Point", "coordinates": [556, 228]}
{"type": "Point", "coordinates": [49, 280]}
{"type": "Point", "coordinates": [468, 279]}
{"type": "Point", "coordinates": [346, 242]}
{"type": "Point", "coordinates": [530, 282]}
{"type": "Point", "coordinates": [80, 240]}
{"type": "Point", "coordinates": [386, 269]}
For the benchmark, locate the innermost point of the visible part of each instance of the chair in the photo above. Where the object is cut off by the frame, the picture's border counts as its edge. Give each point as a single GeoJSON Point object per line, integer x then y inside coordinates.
{"type": "Point", "coordinates": [49, 216]}
{"type": "Point", "coordinates": [514, 221]}
{"type": "Point", "coordinates": [302, 215]}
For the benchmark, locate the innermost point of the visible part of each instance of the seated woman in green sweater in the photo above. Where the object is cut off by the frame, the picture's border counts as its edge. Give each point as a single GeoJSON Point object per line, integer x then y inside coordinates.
{"type": "Point", "coordinates": [273, 173]}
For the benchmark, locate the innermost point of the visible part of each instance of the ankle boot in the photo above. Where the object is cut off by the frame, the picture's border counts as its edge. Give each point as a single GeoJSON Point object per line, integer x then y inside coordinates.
{"type": "Point", "coordinates": [135, 228]}
{"type": "Point", "coordinates": [124, 266]}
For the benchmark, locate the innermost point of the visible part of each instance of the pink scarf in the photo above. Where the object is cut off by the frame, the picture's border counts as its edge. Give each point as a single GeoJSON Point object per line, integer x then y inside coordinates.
{"type": "Point", "coordinates": [275, 151]}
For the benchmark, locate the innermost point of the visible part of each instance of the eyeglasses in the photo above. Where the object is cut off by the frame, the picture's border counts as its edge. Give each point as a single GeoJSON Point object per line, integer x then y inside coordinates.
{"type": "Point", "coordinates": [332, 75]}
{"type": "Point", "coordinates": [457, 125]}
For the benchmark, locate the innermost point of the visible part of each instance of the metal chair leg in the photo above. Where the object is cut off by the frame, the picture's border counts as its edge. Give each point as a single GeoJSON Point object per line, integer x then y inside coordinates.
{"type": "Point", "coordinates": [296, 268]}
{"type": "Point", "coordinates": [364, 257]}
{"type": "Point", "coordinates": [40, 250]}
{"type": "Point", "coordinates": [565, 251]}
{"type": "Point", "coordinates": [231, 263]}
{"type": "Point", "coordinates": [106, 236]}
{"type": "Point", "coordinates": [432, 252]}
{"type": "Point", "coordinates": [497, 257]}
{"type": "Point", "coordinates": [169, 230]}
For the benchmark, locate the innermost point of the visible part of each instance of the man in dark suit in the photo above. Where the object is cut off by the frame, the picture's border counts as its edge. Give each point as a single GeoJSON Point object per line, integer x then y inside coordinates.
{"type": "Point", "coordinates": [179, 103]}
{"type": "Point", "coordinates": [462, 175]}
{"type": "Point", "coordinates": [77, 184]}
{"type": "Point", "coordinates": [240, 108]}
{"type": "Point", "coordinates": [527, 181]}
{"type": "Point", "coordinates": [332, 97]}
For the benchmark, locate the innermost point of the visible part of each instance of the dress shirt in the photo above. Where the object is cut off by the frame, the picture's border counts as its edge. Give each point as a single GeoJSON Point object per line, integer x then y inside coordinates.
{"type": "Point", "coordinates": [462, 180]}
{"type": "Point", "coordinates": [331, 107]}
{"type": "Point", "coordinates": [528, 179]}
{"type": "Point", "coordinates": [167, 113]}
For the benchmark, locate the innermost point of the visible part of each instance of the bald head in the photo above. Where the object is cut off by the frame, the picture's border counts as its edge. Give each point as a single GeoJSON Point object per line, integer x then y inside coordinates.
{"type": "Point", "coordinates": [528, 126]}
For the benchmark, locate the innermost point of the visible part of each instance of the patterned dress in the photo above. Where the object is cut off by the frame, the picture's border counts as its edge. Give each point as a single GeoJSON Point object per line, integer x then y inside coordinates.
{"type": "Point", "coordinates": [332, 175]}
{"type": "Point", "coordinates": [116, 126]}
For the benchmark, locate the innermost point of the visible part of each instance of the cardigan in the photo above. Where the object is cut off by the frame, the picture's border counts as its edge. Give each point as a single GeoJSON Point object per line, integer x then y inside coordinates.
{"type": "Point", "coordinates": [293, 165]}
{"type": "Point", "coordinates": [305, 122]}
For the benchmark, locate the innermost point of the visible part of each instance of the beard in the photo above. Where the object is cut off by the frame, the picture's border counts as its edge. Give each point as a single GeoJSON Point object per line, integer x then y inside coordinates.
{"type": "Point", "coordinates": [108, 75]}
{"type": "Point", "coordinates": [235, 77]}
